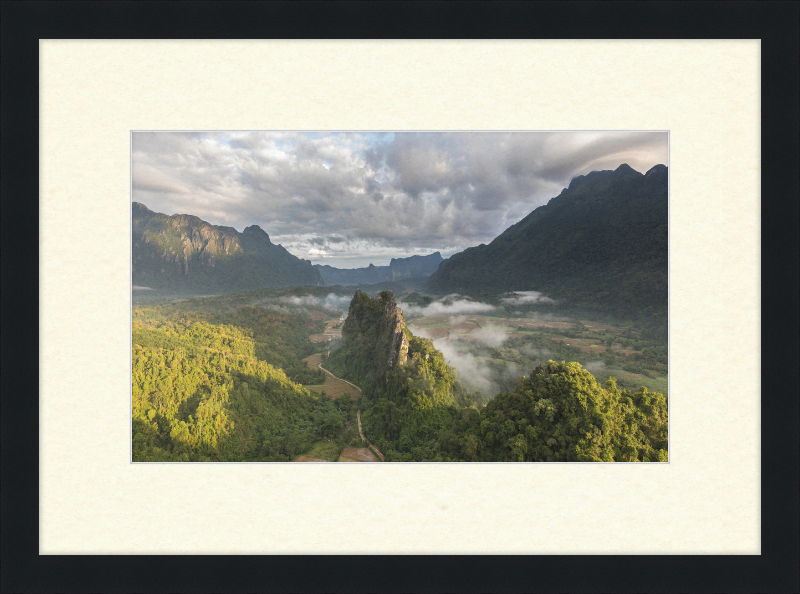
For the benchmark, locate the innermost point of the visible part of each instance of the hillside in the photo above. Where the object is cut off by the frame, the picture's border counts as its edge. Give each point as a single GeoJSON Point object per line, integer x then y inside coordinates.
{"type": "Point", "coordinates": [416, 410]}
{"type": "Point", "coordinates": [398, 269]}
{"type": "Point", "coordinates": [228, 379]}
{"type": "Point", "coordinates": [184, 254]}
{"type": "Point", "coordinates": [600, 244]}
{"type": "Point", "coordinates": [201, 393]}
{"type": "Point", "coordinates": [562, 414]}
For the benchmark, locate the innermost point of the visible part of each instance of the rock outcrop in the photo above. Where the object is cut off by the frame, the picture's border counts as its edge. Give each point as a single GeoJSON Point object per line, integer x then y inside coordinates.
{"type": "Point", "coordinates": [379, 324]}
{"type": "Point", "coordinates": [390, 365]}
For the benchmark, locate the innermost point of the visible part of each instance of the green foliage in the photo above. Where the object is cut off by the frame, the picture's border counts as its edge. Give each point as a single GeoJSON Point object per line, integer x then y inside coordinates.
{"type": "Point", "coordinates": [217, 380]}
{"type": "Point", "coordinates": [277, 337]}
{"type": "Point", "coordinates": [416, 395]}
{"type": "Point", "coordinates": [200, 394]}
{"type": "Point", "coordinates": [561, 414]}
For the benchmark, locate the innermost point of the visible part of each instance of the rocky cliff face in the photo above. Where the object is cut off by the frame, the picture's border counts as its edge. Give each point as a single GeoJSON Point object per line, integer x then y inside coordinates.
{"type": "Point", "coordinates": [381, 355]}
{"type": "Point", "coordinates": [379, 324]}
{"type": "Point", "coordinates": [184, 253]}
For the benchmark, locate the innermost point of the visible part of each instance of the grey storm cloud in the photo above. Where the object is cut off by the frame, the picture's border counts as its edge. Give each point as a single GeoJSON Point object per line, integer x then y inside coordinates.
{"type": "Point", "coordinates": [367, 196]}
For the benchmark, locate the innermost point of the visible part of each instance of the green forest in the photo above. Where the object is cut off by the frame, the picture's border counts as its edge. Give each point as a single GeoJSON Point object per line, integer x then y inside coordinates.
{"type": "Point", "coordinates": [224, 379]}
{"type": "Point", "coordinates": [421, 412]}
{"type": "Point", "coordinates": [214, 382]}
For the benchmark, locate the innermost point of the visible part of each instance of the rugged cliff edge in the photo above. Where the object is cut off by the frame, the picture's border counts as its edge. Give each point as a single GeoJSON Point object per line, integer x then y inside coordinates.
{"type": "Point", "coordinates": [376, 329]}
{"type": "Point", "coordinates": [381, 355]}
{"type": "Point", "coordinates": [183, 253]}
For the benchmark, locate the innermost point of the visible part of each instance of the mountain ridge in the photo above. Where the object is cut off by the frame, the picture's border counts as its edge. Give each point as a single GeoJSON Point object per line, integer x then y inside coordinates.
{"type": "Point", "coordinates": [601, 243]}
{"type": "Point", "coordinates": [399, 268]}
{"type": "Point", "coordinates": [182, 252]}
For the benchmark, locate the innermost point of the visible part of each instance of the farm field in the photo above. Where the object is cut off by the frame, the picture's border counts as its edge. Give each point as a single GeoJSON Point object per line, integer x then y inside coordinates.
{"type": "Point", "coordinates": [330, 333]}
{"type": "Point", "coordinates": [332, 387]}
{"type": "Point", "coordinates": [350, 454]}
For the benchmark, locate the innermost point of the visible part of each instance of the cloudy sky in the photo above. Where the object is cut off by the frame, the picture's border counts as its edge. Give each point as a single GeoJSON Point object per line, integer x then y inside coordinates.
{"type": "Point", "coordinates": [353, 198]}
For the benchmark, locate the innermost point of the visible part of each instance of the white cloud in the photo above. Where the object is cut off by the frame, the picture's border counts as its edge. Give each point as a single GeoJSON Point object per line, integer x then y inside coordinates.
{"type": "Point", "coordinates": [384, 192]}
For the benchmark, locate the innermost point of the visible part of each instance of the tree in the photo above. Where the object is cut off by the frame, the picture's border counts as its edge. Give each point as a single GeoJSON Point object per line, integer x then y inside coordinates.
{"type": "Point", "coordinates": [345, 402]}
{"type": "Point", "coordinates": [333, 424]}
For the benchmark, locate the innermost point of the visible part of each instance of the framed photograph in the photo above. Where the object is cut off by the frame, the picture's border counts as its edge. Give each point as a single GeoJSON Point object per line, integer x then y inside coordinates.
{"type": "Point", "coordinates": [114, 111]}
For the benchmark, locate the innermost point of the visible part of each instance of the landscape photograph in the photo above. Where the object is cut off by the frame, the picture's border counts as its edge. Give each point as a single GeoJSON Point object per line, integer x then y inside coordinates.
{"type": "Point", "coordinates": [393, 296]}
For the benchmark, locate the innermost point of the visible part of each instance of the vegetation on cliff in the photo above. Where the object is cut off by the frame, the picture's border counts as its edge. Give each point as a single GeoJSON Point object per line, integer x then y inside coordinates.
{"type": "Point", "coordinates": [220, 379]}
{"type": "Point", "coordinates": [412, 393]}
{"type": "Point", "coordinates": [416, 410]}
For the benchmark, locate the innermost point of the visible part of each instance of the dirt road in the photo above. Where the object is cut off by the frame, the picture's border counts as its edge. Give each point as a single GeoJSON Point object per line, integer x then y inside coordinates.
{"type": "Point", "coordinates": [332, 386]}
{"type": "Point", "coordinates": [361, 433]}
{"type": "Point", "coordinates": [358, 414]}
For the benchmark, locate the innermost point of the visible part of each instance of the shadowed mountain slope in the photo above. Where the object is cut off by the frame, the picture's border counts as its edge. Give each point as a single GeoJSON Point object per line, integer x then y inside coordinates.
{"type": "Point", "coordinates": [601, 243]}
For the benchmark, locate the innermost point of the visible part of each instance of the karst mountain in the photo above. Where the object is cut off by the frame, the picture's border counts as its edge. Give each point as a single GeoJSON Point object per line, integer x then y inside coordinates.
{"type": "Point", "coordinates": [185, 254]}
{"type": "Point", "coordinates": [601, 243]}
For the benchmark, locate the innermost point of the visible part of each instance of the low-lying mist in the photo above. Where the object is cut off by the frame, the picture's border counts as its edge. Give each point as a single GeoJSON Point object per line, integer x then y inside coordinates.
{"type": "Point", "coordinates": [332, 304]}
{"type": "Point", "coordinates": [473, 372]}
{"type": "Point", "coordinates": [451, 305]}
{"type": "Point", "coordinates": [526, 298]}
{"type": "Point", "coordinates": [594, 366]}
{"type": "Point", "coordinates": [490, 336]}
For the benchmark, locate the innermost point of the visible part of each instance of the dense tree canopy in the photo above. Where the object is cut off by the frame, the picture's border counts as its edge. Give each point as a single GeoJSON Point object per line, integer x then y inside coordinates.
{"type": "Point", "coordinates": [221, 380]}
{"type": "Point", "coordinates": [200, 393]}
{"type": "Point", "coordinates": [561, 414]}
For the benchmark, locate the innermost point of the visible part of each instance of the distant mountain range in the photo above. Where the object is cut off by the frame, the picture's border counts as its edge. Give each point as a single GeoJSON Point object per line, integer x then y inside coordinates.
{"type": "Point", "coordinates": [398, 269]}
{"type": "Point", "coordinates": [185, 254]}
{"type": "Point", "coordinates": [601, 243]}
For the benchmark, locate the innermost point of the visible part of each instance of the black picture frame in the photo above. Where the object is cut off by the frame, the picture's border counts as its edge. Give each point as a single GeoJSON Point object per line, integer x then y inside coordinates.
{"type": "Point", "coordinates": [775, 23]}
